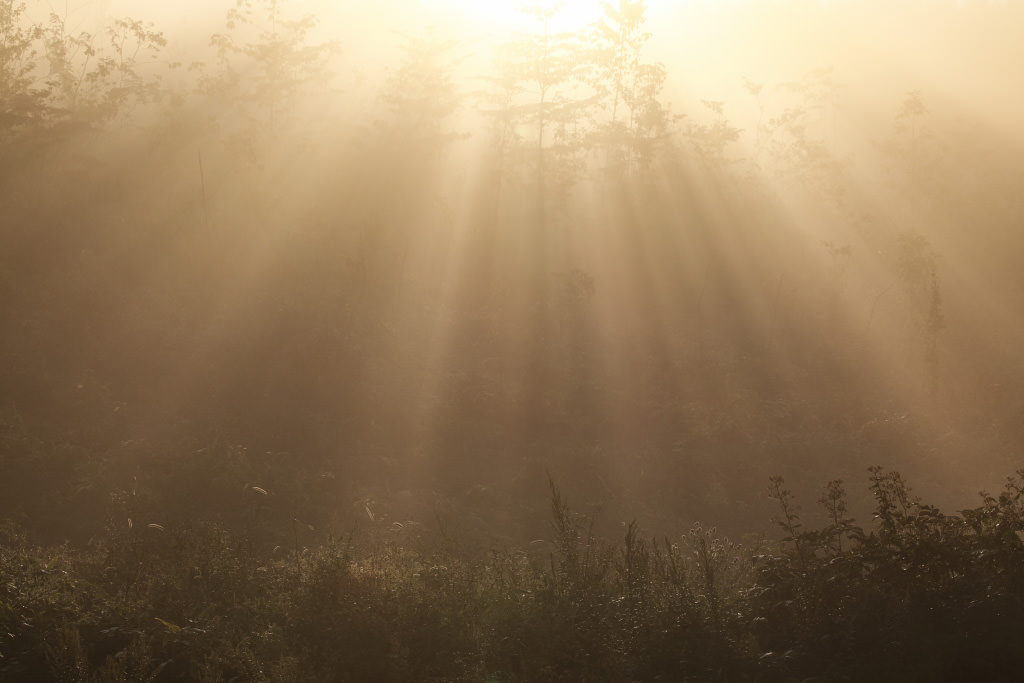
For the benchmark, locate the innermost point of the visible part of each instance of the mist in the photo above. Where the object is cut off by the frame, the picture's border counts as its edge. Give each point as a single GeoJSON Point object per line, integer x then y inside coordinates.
{"type": "Point", "coordinates": [409, 265]}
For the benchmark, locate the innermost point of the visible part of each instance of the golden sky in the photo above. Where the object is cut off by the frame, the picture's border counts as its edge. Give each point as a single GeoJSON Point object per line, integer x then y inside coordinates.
{"type": "Point", "coordinates": [881, 47]}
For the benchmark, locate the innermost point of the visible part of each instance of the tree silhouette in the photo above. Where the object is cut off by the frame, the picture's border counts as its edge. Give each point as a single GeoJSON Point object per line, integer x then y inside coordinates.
{"type": "Point", "coordinates": [55, 84]}
{"type": "Point", "coordinates": [710, 140]}
{"type": "Point", "coordinates": [421, 97]}
{"type": "Point", "coordinates": [801, 140]}
{"type": "Point", "coordinates": [540, 122]}
{"type": "Point", "coordinates": [22, 100]}
{"type": "Point", "coordinates": [635, 120]}
{"type": "Point", "coordinates": [915, 164]}
{"type": "Point", "coordinates": [266, 61]}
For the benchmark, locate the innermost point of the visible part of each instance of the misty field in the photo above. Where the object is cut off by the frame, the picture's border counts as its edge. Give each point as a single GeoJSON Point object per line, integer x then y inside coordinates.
{"type": "Point", "coordinates": [450, 341]}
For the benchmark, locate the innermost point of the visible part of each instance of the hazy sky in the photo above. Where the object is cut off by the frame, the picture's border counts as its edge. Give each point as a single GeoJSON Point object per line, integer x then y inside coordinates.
{"type": "Point", "coordinates": [878, 50]}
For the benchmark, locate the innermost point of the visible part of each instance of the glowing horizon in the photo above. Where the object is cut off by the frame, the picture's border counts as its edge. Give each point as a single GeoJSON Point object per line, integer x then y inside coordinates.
{"type": "Point", "coordinates": [499, 15]}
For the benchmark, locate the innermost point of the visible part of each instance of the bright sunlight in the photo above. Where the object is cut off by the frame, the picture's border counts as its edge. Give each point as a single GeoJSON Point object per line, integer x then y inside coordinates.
{"type": "Point", "coordinates": [396, 340]}
{"type": "Point", "coordinates": [497, 14]}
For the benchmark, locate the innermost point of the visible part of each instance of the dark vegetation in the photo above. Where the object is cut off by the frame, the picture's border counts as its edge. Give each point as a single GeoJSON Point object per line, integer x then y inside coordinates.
{"type": "Point", "coordinates": [287, 368]}
{"type": "Point", "coordinates": [923, 596]}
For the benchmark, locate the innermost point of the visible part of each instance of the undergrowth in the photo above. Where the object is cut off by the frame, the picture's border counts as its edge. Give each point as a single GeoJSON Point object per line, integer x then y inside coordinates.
{"type": "Point", "coordinates": [921, 595]}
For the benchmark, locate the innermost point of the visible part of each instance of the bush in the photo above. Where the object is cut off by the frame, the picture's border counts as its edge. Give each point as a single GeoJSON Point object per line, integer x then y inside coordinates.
{"type": "Point", "coordinates": [921, 596]}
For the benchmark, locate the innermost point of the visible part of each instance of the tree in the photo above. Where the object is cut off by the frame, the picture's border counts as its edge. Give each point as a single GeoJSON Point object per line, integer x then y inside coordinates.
{"type": "Point", "coordinates": [914, 151]}
{"type": "Point", "coordinates": [539, 117]}
{"type": "Point", "coordinates": [636, 121]}
{"type": "Point", "coordinates": [710, 140]}
{"type": "Point", "coordinates": [22, 101]}
{"type": "Point", "coordinates": [421, 97]}
{"type": "Point", "coordinates": [55, 84]}
{"type": "Point", "coordinates": [801, 140]}
{"type": "Point", "coordinates": [266, 60]}
{"type": "Point", "coordinates": [912, 139]}
{"type": "Point", "coordinates": [91, 84]}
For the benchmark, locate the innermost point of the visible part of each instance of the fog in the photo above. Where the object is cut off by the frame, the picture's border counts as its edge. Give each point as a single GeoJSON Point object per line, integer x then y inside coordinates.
{"type": "Point", "coordinates": [410, 263]}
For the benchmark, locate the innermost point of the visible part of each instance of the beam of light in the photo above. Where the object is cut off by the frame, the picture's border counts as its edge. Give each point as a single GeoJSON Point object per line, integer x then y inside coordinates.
{"type": "Point", "coordinates": [638, 311]}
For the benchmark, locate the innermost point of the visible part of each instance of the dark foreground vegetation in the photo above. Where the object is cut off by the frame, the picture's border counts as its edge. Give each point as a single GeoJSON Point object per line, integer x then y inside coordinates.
{"type": "Point", "coordinates": [920, 596]}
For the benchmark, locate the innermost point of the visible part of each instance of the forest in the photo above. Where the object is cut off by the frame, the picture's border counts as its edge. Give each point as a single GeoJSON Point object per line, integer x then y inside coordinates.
{"type": "Point", "coordinates": [414, 341]}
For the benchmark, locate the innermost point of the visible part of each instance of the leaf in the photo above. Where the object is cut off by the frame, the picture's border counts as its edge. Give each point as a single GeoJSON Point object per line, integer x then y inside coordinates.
{"type": "Point", "coordinates": [173, 628]}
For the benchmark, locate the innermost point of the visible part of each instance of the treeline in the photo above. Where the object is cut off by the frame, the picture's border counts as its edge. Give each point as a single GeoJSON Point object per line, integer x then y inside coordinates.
{"type": "Point", "coordinates": [242, 271]}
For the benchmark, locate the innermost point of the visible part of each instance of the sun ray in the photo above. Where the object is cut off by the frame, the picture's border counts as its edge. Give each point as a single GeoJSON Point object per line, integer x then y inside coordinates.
{"type": "Point", "coordinates": [498, 15]}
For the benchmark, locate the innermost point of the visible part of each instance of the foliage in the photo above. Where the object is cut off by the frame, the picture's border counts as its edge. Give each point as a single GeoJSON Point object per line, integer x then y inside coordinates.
{"type": "Point", "coordinates": [56, 85]}
{"type": "Point", "coordinates": [542, 107]}
{"type": "Point", "coordinates": [266, 63]}
{"type": "Point", "coordinates": [635, 123]}
{"type": "Point", "coordinates": [922, 595]}
{"type": "Point", "coordinates": [922, 592]}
